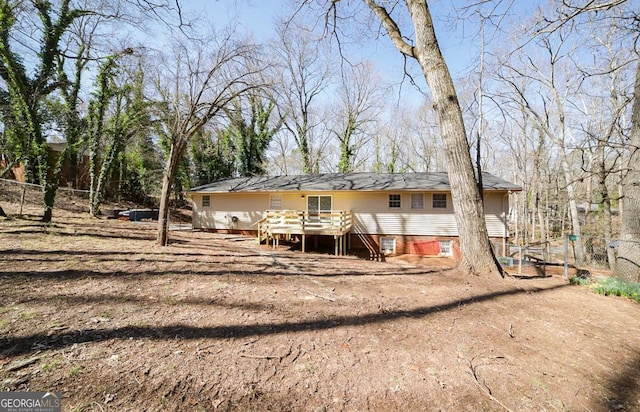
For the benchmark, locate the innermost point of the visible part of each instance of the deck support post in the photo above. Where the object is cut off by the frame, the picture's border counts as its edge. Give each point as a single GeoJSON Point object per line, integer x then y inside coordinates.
{"type": "Point", "coordinates": [304, 241]}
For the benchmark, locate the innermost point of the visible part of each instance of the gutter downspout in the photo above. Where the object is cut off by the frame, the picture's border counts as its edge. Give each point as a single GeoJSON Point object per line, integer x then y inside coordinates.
{"type": "Point", "coordinates": [506, 223]}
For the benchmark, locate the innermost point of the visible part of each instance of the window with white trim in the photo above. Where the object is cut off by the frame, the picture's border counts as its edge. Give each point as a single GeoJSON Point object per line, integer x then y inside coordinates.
{"type": "Point", "coordinates": [417, 201]}
{"type": "Point", "coordinates": [439, 201]}
{"type": "Point", "coordinates": [275, 201]}
{"type": "Point", "coordinates": [388, 245]}
{"type": "Point", "coordinates": [206, 201]}
{"type": "Point", "coordinates": [445, 248]}
{"type": "Point", "coordinates": [319, 204]}
{"type": "Point", "coordinates": [395, 201]}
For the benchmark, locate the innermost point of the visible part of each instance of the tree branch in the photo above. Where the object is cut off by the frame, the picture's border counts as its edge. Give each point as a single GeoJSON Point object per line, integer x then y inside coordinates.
{"type": "Point", "coordinates": [392, 28]}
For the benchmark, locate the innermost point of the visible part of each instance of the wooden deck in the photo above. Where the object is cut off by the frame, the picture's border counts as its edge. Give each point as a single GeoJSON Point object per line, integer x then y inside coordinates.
{"type": "Point", "coordinates": [276, 223]}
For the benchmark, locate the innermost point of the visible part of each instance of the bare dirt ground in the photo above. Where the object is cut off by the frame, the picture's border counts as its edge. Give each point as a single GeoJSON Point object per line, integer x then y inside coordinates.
{"type": "Point", "coordinates": [95, 310]}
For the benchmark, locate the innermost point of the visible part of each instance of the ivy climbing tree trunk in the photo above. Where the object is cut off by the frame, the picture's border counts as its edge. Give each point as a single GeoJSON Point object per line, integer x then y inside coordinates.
{"type": "Point", "coordinates": [97, 110]}
{"type": "Point", "coordinates": [26, 94]}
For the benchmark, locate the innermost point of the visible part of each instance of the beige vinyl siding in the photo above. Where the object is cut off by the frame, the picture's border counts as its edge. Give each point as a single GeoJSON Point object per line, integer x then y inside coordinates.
{"type": "Point", "coordinates": [495, 211]}
{"type": "Point", "coordinates": [371, 212]}
{"type": "Point", "coordinates": [248, 208]}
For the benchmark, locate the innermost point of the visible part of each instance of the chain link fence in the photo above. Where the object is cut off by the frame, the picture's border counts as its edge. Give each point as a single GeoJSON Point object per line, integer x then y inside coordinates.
{"type": "Point", "coordinates": [592, 255]}
{"type": "Point", "coordinates": [23, 199]}
{"type": "Point", "coordinates": [584, 257]}
{"type": "Point", "coordinates": [28, 196]}
{"type": "Point", "coordinates": [532, 260]}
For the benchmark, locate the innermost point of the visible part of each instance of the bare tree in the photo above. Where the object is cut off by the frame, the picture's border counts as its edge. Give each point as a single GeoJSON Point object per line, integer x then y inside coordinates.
{"type": "Point", "coordinates": [604, 128]}
{"type": "Point", "coordinates": [628, 262]}
{"type": "Point", "coordinates": [548, 94]}
{"type": "Point", "coordinates": [360, 95]}
{"type": "Point", "coordinates": [305, 73]}
{"type": "Point", "coordinates": [623, 14]}
{"type": "Point", "coordinates": [422, 46]}
{"type": "Point", "coordinates": [425, 147]}
{"type": "Point", "coordinates": [203, 77]}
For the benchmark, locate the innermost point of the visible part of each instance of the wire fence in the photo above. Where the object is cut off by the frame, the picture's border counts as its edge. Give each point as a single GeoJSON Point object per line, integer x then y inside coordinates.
{"type": "Point", "coordinates": [531, 260]}
{"type": "Point", "coordinates": [19, 198]}
{"type": "Point", "coordinates": [583, 257]}
{"type": "Point", "coordinates": [29, 195]}
{"type": "Point", "coordinates": [594, 255]}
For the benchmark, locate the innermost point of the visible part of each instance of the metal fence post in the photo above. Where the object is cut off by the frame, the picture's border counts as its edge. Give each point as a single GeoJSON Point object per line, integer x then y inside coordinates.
{"type": "Point", "coordinates": [520, 262]}
{"type": "Point", "coordinates": [566, 256]}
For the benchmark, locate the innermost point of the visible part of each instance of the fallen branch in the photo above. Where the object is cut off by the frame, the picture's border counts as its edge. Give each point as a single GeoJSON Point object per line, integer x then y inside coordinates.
{"type": "Point", "coordinates": [484, 388]}
{"type": "Point", "coordinates": [22, 363]}
{"type": "Point", "coordinates": [320, 296]}
{"type": "Point", "coordinates": [242, 355]}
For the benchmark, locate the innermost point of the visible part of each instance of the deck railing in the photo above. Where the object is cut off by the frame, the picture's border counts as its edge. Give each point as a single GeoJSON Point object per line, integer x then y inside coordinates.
{"type": "Point", "coordinates": [336, 223]}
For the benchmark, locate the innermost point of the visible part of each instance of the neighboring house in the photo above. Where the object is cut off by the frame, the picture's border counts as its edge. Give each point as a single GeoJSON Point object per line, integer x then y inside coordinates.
{"type": "Point", "coordinates": [593, 208]}
{"type": "Point", "coordinates": [76, 176]}
{"type": "Point", "coordinates": [379, 213]}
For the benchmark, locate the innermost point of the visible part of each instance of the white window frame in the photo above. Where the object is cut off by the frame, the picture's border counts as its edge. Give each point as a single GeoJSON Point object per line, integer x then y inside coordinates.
{"type": "Point", "coordinates": [446, 247]}
{"type": "Point", "coordinates": [384, 241]}
{"type": "Point", "coordinates": [417, 200]}
{"type": "Point", "coordinates": [275, 201]}
{"type": "Point", "coordinates": [390, 200]}
{"type": "Point", "coordinates": [437, 203]}
{"type": "Point", "coordinates": [320, 203]}
{"type": "Point", "coordinates": [206, 201]}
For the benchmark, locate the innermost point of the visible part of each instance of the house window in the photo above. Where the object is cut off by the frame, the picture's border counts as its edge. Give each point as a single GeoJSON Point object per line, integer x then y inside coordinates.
{"type": "Point", "coordinates": [275, 202]}
{"type": "Point", "coordinates": [388, 245]}
{"type": "Point", "coordinates": [206, 201]}
{"type": "Point", "coordinates": [417, 201]}
{"type": "Point", "coordinates": [394, 201]}
{"type": "Point", "coordinates": [319, 204]}
{"type": "Point", "coordinates": [445, 248]}
{"type": "Point", "coordinates": [439, 201]}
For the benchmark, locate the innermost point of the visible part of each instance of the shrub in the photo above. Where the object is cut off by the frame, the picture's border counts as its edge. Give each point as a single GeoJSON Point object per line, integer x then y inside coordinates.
{"type": "Point", "coordinates": [617, 287]}
{"type": "Point", "coordinates": [574, 280]}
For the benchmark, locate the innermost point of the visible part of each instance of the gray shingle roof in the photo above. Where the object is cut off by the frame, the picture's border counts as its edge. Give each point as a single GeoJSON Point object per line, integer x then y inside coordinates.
{"type": "Point", "coordinates": [331, 182]}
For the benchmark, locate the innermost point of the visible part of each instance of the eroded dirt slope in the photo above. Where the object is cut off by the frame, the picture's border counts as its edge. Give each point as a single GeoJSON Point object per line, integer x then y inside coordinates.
{"type": "Point", "coordinates": [96, 311]}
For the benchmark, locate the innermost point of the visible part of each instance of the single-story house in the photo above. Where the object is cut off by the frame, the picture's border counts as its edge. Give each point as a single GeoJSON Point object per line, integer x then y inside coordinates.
{"type": "Point", "coordinates": [379, 213]}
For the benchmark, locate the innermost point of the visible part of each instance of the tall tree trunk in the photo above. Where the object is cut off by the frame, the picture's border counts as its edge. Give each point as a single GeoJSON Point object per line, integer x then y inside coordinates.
{"type": "Point", "coordinates": [346, 151]}
{"type": "Point", "coordinates": [628, 262]}
{"type": "Point", "coordinates": [305, 152]}
{"type": "Point", "coordinates": [93, 173]}
{"type": "Point", "coordinates": [170, 169]}
{"type": "Point", "coordinates": [476, 250]}
{"type": "Point", "coordinates": [51, 181]}
{"type": "Point", "coordinates": [106, 171]}
{"type": "Point", "coordinates": [601, 164]}
{"type": "Point", "coordinates": [573, 208]}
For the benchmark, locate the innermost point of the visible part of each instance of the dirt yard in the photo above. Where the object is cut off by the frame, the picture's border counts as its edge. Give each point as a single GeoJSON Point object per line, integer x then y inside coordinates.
{"type": "Point", "coordinates": [95, 310]}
